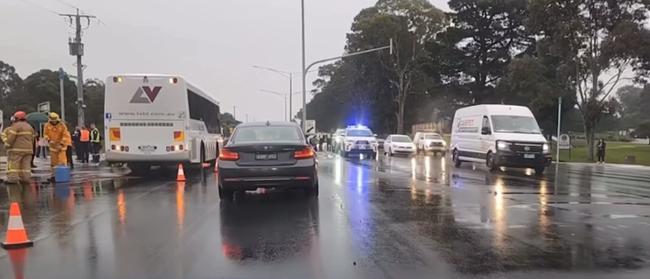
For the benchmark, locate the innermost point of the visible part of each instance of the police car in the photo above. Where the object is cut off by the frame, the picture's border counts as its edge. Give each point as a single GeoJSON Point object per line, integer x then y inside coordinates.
{"type": "Point", "coordinates": [358, 139]}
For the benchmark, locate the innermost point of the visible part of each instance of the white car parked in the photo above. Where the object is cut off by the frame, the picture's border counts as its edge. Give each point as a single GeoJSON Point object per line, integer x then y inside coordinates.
{"type": "Point", "coordinates": [399, 144]}
{"type": "Point", "coordinates": [429, 141]}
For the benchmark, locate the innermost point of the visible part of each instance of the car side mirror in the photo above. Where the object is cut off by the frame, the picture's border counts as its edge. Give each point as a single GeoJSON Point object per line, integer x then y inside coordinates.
{"type": "Point", "coordinates": [486, 131]}
{"type": "Point", "coordinates": [374, 135]}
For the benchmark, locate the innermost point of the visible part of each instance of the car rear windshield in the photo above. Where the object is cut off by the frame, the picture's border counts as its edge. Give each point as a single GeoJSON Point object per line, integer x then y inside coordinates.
{"type": "Point", "coordinates": [515, 124]}
{"type": "Point", "coordinates": [359, 133]}
{"type": "Point", "coordinates": [432, 136]}
{"type": "Point", "coordinates": [400, 139]}
{"type": "Point", "coordinates": [267, 134]}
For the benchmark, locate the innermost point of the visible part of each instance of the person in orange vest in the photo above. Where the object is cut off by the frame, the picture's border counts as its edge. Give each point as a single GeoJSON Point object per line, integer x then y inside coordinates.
{"type": "Point", "coordinates": [56, 134]}
{"type": "Point", "coordinates": [84, 143]}
{"type": "Point", "coordinates": [18, 140]}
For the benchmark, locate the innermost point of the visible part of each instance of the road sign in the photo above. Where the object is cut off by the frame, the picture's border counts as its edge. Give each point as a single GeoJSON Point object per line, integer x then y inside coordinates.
{"type": "Point", "coordinates": [44, 107]}
{"type": "Point", "coordinates": [310, 126]}
{"type": "Point", "coordinates": [564, 142]}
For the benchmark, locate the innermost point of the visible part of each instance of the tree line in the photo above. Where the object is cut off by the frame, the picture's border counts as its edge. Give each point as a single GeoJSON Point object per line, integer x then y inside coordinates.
{"type": "Point", "coordinates": [523, 52]}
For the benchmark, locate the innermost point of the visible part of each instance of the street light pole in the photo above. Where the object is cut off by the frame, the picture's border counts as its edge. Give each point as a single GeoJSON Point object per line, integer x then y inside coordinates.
{"type": "Point", "coordinates": [304, 70]}
{"type": "Point", "coordinates": [290, 96]}
{"type": "Point", "coordinates": [304, 73]}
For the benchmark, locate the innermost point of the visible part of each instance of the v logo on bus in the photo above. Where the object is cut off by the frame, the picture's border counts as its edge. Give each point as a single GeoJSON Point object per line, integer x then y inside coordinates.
{"type": "Point", "coordinates": [145, 95]}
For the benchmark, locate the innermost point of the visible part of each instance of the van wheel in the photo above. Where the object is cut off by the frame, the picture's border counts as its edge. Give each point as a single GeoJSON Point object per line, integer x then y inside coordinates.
{"type": "Point", "coordinates": [489, 162]}
{"type": "Point", "coordinates": [540, 170]}
{"type": "Point", "coordinates": [455, 158]}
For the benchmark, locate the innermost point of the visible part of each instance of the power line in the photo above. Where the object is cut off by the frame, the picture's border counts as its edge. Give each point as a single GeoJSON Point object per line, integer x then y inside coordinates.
{"type": "Point", "coordinates": [40, 7]}
{"type": "Point", "coordinates": [67, 4]}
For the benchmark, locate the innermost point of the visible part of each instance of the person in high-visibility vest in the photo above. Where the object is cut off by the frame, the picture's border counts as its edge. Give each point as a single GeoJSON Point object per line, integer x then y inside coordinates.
{"type": "Point", "coordinates": [95, 141]}
{"type": "Point", "coordinates": [18, 140]}
{"type": "Point", "coordinates": [55, 133]}
{"type": "Point", "coordinates": [84, 143]}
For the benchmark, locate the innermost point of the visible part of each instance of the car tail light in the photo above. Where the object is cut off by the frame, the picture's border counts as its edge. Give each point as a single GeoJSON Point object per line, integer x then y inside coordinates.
{"type": "Point", "coordinates": [115, 134]}
{"type": "Point", "coordinates": [179, 136]}
{"type": "Point", "coordinates": [228, 155]}
{"type": "Point", "coordinates": [304, 153]}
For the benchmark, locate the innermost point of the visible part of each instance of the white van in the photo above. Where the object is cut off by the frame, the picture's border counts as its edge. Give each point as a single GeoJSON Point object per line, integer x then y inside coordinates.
{"type": "Point", "coordinates": [499, 135]}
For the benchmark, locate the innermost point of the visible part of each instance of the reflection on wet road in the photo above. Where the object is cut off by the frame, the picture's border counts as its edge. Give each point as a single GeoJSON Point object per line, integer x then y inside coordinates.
{"type": "Point", "coordinates": [395, 217]}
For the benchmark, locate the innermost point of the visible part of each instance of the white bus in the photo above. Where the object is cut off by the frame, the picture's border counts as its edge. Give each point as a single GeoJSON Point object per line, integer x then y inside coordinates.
{"type": "Point", "coordinates": [158, 119]}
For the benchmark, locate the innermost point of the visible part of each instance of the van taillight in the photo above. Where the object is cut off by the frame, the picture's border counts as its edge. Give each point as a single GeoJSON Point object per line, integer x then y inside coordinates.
{"type": "Point", "coordinates": [115, 134]}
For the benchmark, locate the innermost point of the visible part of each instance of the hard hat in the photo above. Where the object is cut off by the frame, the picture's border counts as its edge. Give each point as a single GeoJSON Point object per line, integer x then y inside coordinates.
{"type": "Point", "coordinates": [53, 116]}
{"type": "Point", "coordinates": [20, 115]}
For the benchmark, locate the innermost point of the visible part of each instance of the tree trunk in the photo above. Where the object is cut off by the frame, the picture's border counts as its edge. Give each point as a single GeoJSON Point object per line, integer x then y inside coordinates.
{"type": "Point", "coordinates": [589, 136]}
{"type": "Point", "coordinates": [400, 117]}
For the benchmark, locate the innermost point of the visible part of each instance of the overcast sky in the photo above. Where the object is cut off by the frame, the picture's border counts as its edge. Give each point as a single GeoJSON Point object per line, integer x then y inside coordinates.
{"type": "Point", "coordinates": [212, 43]}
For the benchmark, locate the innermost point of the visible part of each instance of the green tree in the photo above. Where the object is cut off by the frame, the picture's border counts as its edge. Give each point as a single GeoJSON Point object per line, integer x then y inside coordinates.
{"type": "Point", "coordinates": [634, 104]}
{"type": "Point", "coordinates": [43, 86]}
{"type": "Point", "coordinates": [10, 85]}
{"type": "Point", "coordinates": [411, 25]}
{"type": "Point", "coordinates": [600, 39]}
{"type": "Point", "coordinates": [481, 43]}
{"type": "Point", "coordinates": [94, 100]}
{"type": "Point", "coordinates": [228, 122]}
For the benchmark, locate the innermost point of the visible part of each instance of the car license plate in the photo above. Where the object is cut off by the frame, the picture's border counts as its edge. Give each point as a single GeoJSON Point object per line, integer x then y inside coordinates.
{"type": "Point", "coordinates": [529, 156]}
{"type": "Point", "coordinates": [271, 156]}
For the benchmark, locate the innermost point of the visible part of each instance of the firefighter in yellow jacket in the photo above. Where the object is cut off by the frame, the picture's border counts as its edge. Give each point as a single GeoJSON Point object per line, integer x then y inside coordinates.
{"type": "Point", "coordinates": [18, 140]}
{"type": "Point", "coordinates": [57, 135]}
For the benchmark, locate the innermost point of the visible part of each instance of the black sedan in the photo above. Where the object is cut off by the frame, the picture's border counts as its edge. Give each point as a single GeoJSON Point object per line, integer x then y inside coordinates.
{"type": "Point", "coordinates": [267, 155]}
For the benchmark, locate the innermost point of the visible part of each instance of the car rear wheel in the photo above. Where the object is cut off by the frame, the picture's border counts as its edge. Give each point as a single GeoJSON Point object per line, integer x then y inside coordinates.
{"type": "Point", "coordinates": [312, 191]}
{"type": "Point", "coordinates": [226, 194]}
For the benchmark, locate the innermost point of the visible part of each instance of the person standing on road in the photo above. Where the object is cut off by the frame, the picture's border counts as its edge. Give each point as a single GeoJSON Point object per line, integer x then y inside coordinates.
{"type": "Point", "coordinates": [84, 143]}
{"type": "Point", "coordinates": [67, 140]}
{"type": "Point", "coordinates": [19, 140]}
{"type": "Point", "coordinates": [95, 141]}
{"type": "Point", "coordinates": [75, 142]}
{"type": "Point", "coordinates": [42, 147]}
{"type": "Point", "coordinates": [329, 143]}
{"type": "Point", "coordinates": [601, 150]}
{"type": "Point", "coordinates": [55, 133]}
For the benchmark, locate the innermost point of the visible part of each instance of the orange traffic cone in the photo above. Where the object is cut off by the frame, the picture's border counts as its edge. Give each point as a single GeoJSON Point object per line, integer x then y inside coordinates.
{"type": "Point", "coordinates": [16, 234]}
{"type": "Point", "coordinates": [181, 174]}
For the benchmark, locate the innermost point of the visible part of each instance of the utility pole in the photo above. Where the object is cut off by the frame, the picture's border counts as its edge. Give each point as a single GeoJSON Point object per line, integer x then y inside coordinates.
{"type": "Point", "coordinates": [62, 91]}
{"type": "Point", "coordinates": [234, 112]}
{"type": "Point", "coordinates": [77, 49]}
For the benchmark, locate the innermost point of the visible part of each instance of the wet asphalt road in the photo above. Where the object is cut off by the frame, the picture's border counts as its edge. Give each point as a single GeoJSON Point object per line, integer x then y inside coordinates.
{"type": "Point", "coordinates": [391, 218]}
